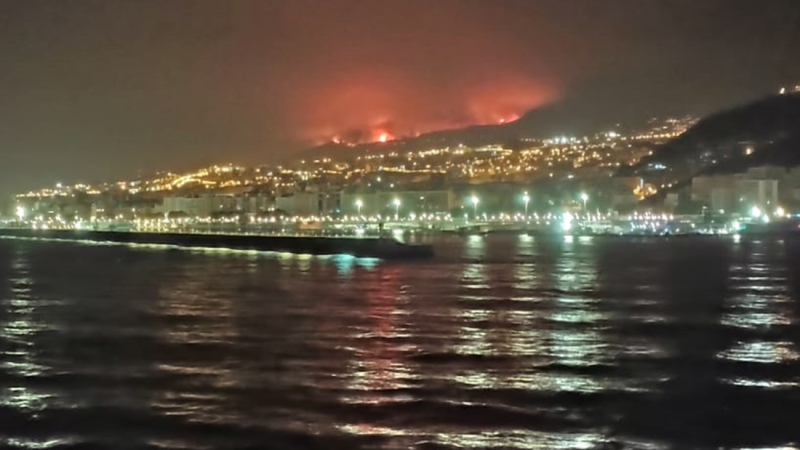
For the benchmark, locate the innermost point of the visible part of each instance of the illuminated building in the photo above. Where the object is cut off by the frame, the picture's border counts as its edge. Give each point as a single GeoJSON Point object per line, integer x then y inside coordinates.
{"type": "Point", "coordinates": [199, 206]}
{"type": "Point", "coordinates": [414, 202]}
{"type": "Point", "coordinates": [736, 192]}
{"type": "Point", "coordinates": [308, 203]}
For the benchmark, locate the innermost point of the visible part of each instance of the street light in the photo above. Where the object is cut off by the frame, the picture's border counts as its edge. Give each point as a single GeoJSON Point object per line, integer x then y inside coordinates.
{"type": "Point", "coordinates": [526, 198]}
{"type": "Point", "coordinates": [359, 204]}
{"type": "Point", "coordinates": [584, 197]}
{"type": "Point", "coordinates": [396, 208]}
{"type": "Point", "coordinates": [566, 223]}
{"type": "Point", "coordinates": [21, 212]}
{"type": "Point", "coordinates": [475, 205]}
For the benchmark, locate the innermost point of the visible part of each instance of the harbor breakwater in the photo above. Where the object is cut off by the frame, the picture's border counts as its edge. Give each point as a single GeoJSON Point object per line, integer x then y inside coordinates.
{"type": "Point", "coordinates": [384, 248]}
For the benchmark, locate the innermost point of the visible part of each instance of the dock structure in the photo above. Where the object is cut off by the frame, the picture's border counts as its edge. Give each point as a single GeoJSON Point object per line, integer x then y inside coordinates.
{"type": "Point", "coordinates": [379, 247]}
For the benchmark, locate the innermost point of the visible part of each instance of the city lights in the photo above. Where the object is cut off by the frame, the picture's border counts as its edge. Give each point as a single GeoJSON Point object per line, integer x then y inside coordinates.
{"type": "Point", "coordinates": [566, 223]}
{"type": "Point", "coordinates": [314, 193]}
{"type": "Point", "coordinates": [526, 198]}
{"type": "Point", "coordinates": [201, 242]}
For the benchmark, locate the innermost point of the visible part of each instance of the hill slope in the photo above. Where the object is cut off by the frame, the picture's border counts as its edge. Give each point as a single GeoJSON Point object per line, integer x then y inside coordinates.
{"type": "Point", "coordinates": [763, 132]}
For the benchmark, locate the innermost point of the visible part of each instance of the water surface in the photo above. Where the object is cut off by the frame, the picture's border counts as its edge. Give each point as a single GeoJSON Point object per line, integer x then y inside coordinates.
{"type": "Point", "coordinates": [499, 342]}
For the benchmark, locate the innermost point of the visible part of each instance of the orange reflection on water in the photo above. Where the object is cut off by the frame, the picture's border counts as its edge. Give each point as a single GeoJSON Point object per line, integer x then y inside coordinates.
{"type": "Point", "coordinates": [380, 353]}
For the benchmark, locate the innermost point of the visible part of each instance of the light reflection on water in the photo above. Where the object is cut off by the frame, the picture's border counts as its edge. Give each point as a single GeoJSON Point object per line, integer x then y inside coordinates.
{"type": "Point", "coordinates": [500, 342]}
{"type": "Point", "coordinates": [762, 352]}
{"type": "Point", "coordinates": [761, 306]}
{"type": "Point", "coordinates": [18, 331]}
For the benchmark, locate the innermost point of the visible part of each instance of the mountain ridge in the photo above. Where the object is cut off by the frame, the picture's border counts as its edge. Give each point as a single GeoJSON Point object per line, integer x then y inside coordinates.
{"type": "Point", "coordinates": [764, 131]}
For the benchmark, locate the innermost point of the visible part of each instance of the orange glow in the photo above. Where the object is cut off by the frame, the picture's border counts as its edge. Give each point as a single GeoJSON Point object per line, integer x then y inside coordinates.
{"type": "Point", "coordinates": [364, 102]}
{"type": "Point", "coordinates": [383, 137]}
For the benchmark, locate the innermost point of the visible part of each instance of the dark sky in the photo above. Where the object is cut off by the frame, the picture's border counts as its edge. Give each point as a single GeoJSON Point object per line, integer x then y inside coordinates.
{"type": "Point", "coordinates": [101, 89]}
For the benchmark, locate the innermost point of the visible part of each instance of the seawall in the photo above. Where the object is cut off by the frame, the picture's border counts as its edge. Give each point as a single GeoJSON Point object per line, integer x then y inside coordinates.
{"type": "Point", "coordinates": [384, 248]}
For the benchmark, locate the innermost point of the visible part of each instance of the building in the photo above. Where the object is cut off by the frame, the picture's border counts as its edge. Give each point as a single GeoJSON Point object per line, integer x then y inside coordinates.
{"type": "Point", "coordinates": [398, 202]}
{"type": "Point", "coordinates": [759, 187]}
{"type": "Point", "coordinates": [192, 206]}
{"type": "Point", "coordinates": [703, 187]}
{"type": "Point", "coordinates": [253, 204]}
{"type": "Point", "coordinates": [308, 203]}
{"type": "Point", "coordinates": [199, 206]}
{"type": "Point", "coordinates": [760, 193]}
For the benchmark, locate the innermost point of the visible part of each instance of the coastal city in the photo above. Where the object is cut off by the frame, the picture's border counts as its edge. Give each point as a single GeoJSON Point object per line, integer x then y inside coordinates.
{"type": "Point", "coordinates": [562, 184]}
{"type": "Point", "coordinates": [400, 224]}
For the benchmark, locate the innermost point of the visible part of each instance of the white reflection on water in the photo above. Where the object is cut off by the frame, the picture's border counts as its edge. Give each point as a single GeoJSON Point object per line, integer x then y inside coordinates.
{"type": "Point", "coordinates": [748, 382]}
{"type": "Point", "coordinates": [576, 318]}
{"type": "Point", "coordinates": [545, 318]}
{"type": "Point", "coordinates": [202, 318]}
{"type": "Point", "coordinates": [304, 262]}
{"type": "Point", "coordinates": [762, 302]}
{"type": "Point", "coordinates": [474, 248]}
{"type": "Point", "coordinates": [762, 352]}
{"type": "Point", "coordinates": [286, 260]}
{"type": "Point", "coordinates": [38, 443]}
{"type": "Point", "coordinates": [533, 440]}
{"type": "Point", "coordinates": [499, 439]}
{"type": "Point", "coordinates": [786, 447]}
{"type": "Point", "coordinates": [20, 329]}
{"type": "Point", "coordinates": [474, 277]}
{"type": "Point", "coordinates": [759, 304]}
{"type": "Point", "coordinates": [755, 311]}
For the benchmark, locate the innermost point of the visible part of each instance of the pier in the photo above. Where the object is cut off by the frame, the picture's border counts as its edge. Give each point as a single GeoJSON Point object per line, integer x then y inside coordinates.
{"type": "Point", "coordinates": [383, 248]}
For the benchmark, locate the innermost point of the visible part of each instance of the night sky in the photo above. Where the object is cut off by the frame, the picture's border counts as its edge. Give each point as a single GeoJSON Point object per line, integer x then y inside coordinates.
{"type": "Point", "coordinates": [93, 90]}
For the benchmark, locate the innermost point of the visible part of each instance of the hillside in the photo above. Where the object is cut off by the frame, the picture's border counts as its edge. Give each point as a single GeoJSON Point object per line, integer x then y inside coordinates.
{"type": "Point", "coordinates": [539, 123]}
{"type": "Point", "coordinates": [763, 132]}
{"type": "Point", "coordinates": [472, 136]}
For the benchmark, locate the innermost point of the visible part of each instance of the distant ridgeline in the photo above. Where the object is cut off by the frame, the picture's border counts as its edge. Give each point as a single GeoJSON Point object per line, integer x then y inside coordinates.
{"type": "Point", "coordinates": [765, 132]}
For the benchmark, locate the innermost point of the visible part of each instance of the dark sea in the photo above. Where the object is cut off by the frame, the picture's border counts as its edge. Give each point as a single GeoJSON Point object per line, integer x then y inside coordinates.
{"type": "Point", "coordinates": [499, 342]}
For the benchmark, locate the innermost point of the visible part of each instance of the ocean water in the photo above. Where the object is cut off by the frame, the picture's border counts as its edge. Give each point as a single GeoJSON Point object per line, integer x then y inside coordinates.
{"type": "Point", "coordinates": [498, 342]}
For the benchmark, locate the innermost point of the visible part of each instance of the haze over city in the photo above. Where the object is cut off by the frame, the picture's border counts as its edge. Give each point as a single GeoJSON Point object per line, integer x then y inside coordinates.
{"type": "Point", "coordinates": [94, 90]}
